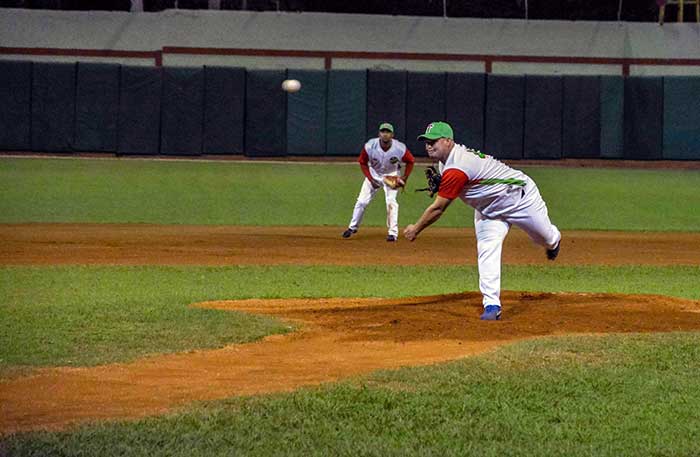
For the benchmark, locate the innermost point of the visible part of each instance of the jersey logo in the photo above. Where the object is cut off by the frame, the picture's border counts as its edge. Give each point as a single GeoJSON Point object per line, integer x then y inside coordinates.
{"type": "Point", "coordinates": [393, 160]}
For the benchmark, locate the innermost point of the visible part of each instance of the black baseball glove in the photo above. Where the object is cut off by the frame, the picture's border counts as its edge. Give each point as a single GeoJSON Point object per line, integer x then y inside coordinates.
{"type": "Point", "coordinates": [433, 176]}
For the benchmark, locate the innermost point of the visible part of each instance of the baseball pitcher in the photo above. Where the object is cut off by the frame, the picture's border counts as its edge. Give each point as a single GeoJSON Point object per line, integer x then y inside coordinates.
{"type": "Point", "coordinates": [500, 195]}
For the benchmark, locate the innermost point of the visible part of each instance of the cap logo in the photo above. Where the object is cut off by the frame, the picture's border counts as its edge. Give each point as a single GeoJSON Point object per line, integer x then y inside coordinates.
{"type": "Point", "coordinates": [430, 127]}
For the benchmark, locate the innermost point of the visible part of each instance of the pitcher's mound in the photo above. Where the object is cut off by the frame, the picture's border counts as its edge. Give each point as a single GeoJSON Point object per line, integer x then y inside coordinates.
{"type": "Point", "coordinates": [456, 316]}
{"type": "Point", "coordinates": [337, 338]}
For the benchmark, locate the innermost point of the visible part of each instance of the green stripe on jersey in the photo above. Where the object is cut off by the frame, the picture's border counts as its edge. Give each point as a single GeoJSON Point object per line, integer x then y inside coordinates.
{"type": "Point", "coordinates": [492, 181]}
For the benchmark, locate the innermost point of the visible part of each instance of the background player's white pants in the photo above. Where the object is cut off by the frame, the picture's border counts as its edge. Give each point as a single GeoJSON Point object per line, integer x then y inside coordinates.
{"type": "Point", "coordinates": [531, 216]}
{"type": "Point", "coordinates": [367, 193]}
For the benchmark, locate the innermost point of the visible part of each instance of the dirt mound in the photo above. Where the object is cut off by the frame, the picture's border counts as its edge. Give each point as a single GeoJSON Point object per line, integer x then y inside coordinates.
{"type": "Point", "coordinates": [338, 338]}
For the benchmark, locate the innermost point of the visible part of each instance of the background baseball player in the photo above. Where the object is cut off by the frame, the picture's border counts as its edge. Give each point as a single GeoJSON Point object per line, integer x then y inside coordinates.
{"type": "Point", "coordinates": [381, 157]}
{"type": "Point", "coordinates": [500, 195]}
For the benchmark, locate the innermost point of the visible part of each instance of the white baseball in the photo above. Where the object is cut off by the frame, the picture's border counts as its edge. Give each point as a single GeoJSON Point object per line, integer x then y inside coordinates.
{"type": "Point", "coordinates": [291, 85]}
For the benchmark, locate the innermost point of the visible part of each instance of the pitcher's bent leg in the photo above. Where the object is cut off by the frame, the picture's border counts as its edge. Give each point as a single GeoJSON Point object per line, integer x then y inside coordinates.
{"type": "Point", "coordinates": [533, 218]}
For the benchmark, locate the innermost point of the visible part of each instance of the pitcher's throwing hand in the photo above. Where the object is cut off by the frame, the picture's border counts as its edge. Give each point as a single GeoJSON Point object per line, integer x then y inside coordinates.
{"type": "Point", "coordinates": [410, 232]}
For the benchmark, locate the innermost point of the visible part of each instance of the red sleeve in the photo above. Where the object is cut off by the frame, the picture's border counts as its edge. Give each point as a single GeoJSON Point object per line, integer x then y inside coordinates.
{"type": "Point", "coordinates": [452, 183]}
{"type": "Point", "coordinates": [409, 161]}
{"type": "Point", "coordinates": [364, 164]}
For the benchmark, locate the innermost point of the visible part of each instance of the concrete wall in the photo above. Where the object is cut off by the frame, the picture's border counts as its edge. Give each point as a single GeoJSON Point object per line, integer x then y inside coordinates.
{"type": "Point", "coordinates": [570, 44]}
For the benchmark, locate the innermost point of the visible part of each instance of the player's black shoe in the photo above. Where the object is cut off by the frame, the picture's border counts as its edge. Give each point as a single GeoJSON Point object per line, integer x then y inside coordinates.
{"type": "Point", "coordinates": [348, 233]}
{"type": "Point", "coordinates": [391, 238]}
{"type": "Point", "coordinates": [553, 253]}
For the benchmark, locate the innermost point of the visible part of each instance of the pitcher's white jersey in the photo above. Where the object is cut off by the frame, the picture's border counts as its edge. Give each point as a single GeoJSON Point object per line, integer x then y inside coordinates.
{"type": "Point", "coordinates": [501, 196]}
{"type": "Point", "coordinates": [383, 162]}
{"type": "Point", "coordinates": [481, 181]}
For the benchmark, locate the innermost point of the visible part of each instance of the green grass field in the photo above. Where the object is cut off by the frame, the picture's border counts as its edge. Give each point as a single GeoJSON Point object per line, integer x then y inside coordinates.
{"type": "Point", "coordinates": [610, 396]}
{"type": "Point", "coordinates": [244, 193]}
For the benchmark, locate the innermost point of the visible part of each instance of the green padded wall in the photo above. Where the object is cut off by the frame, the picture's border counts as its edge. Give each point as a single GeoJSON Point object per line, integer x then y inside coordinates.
{"type": "Point", "coordinates": [386, 101]}
{"type": "Point", "coordinates": [581, 117]}
{"type": "Point", "coordinates": [139, 110]}
{"type": "Point", "coordinates": [53, 107]}
{"type": "Point", "coordinates": [425, 103]}
{"type": "Point", "coordinates": [182, 112]}
{"type": "Point", "coordinates": [306, 113]}
{"type": "Point", "coordinates": [681, 137]}
{"type": "Point", "coordinates": [465, 107]}
{"type": "Point", "coordinates": [505, 116]}
{"type": "Point", "coordinates": [224, 110]}
{"type": "Point", "coordinates": [15, 105]}
{"type": "Point", "coordinates": [543, 117]}
{"type": "Point", "coordinates": [346, 117]}
{"type": "Point", "coordinates": [266, 113]}
{"type": "Point", "coordinates": [643, 124]}
{"type": "Point", "coordinates": [612, 102]}
{"type": "Point", "coordinates": [97, 107]}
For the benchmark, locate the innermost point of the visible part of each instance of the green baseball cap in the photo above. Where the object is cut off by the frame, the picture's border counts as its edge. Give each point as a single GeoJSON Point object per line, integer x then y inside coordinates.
{"type": "Point", "coordinates": [437, 130]}
{"type": "Point", "coordinates": [386, 126]}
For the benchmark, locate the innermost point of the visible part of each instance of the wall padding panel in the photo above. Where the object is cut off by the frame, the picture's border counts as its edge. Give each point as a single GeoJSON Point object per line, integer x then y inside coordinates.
{"type": "Point", "coordinates": [346, 112]}
{"type": "Point", "coordinates": [224, 110]}
{"type": "Point", "coordinates": [97, 107]}
{"type": "Point", "coordinates": [425, 103]}
{"type": "Point", "coordinates": [139, 110]}
{"type": "Point", "coordinates": [543, 117]}
{"type": "Point", "coordinates": [505, 107]}
{"type": "Point", "coordinates": [612, 103]}
{"type": "Point", "coordinates": [643, 125]}
{"type": "Point", "coordinates": [15, 105]}
{"type": "Point", "coordinates": [306, 113]}
{"type": "Point", "coordinates": [386, 101]}
{"type": "Point", "coordinates": [681, 118]}
{"type": "Point", "coordinates": [465, 107]}
{"type": "Point", "coordinates": [182, 116]}
{"type": "Point", "coordinates": [53, 106]}
{"type": "Point", "coordinates": [581, 123]}
{"type": "Point", "coordinates": [266, 113]}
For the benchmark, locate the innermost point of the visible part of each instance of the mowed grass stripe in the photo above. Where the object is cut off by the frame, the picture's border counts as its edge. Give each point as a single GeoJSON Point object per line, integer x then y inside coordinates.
{"type": "Point", "coordinates": [254, 193]}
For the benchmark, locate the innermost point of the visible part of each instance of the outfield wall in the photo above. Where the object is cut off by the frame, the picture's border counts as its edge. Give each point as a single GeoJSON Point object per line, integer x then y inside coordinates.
{"type": "Point", "coordinates": [110, 108]}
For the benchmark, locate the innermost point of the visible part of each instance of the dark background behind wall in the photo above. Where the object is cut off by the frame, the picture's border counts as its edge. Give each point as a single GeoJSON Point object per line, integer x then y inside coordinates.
{"type": "Point", "coordinates": [591, 10]}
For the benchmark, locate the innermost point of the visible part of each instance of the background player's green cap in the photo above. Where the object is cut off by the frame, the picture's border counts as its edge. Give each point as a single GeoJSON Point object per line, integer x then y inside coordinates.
{"type": "Point", "coordinates": [437, 130]}
{"type": "Point", "coordinates": [386, 126]}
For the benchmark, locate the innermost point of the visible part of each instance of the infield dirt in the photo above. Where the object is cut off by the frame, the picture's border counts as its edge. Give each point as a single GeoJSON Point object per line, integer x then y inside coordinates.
{"type": "Point", "coordinates": [339, 337]}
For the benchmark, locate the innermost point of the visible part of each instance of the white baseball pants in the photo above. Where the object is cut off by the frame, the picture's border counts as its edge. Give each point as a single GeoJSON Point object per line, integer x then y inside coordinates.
{"type": "Point", "coordinates": [367, 193]}
{"type": "Point", "coordinates": [531, 216]}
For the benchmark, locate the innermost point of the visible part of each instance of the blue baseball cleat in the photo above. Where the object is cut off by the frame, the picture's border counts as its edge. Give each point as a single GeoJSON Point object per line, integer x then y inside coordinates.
{"type": "Point", "coordinates": [491, 313]}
